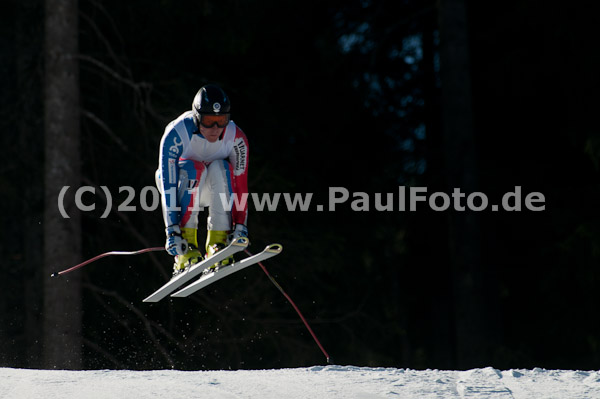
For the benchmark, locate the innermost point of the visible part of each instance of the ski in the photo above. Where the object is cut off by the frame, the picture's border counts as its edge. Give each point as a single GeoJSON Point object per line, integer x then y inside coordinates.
{"type": "Point", "coordinates": [236, 246]}
{"type": "Point", "coordinates": [210, 277]}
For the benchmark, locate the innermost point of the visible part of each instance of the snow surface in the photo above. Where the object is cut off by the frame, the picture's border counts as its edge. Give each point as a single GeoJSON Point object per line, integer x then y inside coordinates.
{"type": "Point", "coordinates": [312, 382]}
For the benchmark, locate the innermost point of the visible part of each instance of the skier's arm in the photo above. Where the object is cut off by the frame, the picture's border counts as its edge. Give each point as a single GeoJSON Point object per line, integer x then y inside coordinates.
{"type": "Point", "coordinates": [171, 147]}
{"type": "Point", "coordinates": [239, 164]}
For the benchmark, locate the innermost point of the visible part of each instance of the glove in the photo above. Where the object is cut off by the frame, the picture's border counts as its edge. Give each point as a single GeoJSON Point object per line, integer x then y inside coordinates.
{"type": "Point", "coordinates": [176, 244]}
{"type": "Point", "coordinates": [239, 231]}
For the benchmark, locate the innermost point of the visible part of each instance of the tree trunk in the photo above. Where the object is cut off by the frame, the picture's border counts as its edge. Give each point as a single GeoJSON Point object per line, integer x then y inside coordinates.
{"type": "Point", "coordinates": [62, 237]}
{"type": "Point", "coordinates": [442, 351]}
{"type": "Point", "coordinates": [28, 79]}
{"type": "Point", "coordinates": [471, 311]}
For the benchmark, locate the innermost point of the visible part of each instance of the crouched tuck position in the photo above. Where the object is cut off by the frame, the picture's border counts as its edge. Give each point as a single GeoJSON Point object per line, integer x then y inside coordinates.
{"type": "Point", "coordinates": [203, 162]}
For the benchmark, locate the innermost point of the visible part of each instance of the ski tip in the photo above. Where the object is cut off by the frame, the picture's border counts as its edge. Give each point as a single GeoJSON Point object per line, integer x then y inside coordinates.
{"type": "Point", "coordinates": [277, 248]}
{"type": "Point", "coordinates": [55, 274]}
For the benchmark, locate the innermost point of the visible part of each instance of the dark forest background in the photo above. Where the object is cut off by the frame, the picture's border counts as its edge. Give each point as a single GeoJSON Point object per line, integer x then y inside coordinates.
{"type": "Point", "coordinates": [368, 95]}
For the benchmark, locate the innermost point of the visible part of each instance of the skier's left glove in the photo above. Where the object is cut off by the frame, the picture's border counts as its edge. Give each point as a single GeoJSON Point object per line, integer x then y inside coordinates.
{"type": "Point", "coordinates": [176, 244]}
{"type": "Point", "coordinates": [239, 231]}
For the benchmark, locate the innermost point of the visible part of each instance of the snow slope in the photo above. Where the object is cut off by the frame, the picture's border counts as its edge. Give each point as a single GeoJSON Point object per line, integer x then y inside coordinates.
{"type": "Point", "coordinates": [313, 382]}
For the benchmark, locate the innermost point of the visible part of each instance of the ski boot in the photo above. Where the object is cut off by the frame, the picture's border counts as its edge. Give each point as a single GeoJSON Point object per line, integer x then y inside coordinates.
{"type": "Point", "coordinates": [216, 241]}
{"type": "Point", "coordinates": [192, 256]}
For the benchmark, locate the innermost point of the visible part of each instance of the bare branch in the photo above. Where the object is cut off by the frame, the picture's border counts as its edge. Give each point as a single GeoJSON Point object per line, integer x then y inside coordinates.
{"type": "Point", "coordinates": [137, 86]}
{"type": "Point", "coordinates": [102, 38]}
{"type": "Point", "coordinates": [106, 128]}
{"type": "Point", "coordinates": [148, 324]}
{"type": "Point", "coordinates": [97, 348]}
{"type": "Point", "coordinates": [135, 232]}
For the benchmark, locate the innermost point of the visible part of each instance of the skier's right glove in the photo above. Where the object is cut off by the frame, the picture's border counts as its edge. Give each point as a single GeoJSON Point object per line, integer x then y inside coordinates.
{"type": "Point", "coordinates": [239, 231]}
{"type": "Point", "coordinates": [176, 244]}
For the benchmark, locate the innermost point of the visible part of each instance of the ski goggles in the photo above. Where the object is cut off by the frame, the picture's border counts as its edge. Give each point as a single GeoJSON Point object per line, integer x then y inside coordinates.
{"type": "Point", "coordinates": [208, 120]}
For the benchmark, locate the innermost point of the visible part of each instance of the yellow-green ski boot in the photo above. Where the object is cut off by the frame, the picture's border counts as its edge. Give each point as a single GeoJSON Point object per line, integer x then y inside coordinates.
{"type": "Point", "coordinates": [216, 241]}
{"type": "Point", "coordinates": [192, 256]}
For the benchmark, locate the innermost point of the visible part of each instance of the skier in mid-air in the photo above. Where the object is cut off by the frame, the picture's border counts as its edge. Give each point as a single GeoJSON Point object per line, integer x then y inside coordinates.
{"type": "Point", "coordinates": [203, 162]}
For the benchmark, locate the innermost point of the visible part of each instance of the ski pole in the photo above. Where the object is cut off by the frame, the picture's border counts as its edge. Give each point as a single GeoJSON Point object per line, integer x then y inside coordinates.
{"type": "Point", "coordinates": [294, 306]}
{"type": "Point", "coordinates": [95, 258]}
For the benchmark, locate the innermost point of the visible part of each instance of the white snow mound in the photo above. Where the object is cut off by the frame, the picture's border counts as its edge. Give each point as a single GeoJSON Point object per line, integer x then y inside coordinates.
{"type": "Point", "coordinates": [312, 382]}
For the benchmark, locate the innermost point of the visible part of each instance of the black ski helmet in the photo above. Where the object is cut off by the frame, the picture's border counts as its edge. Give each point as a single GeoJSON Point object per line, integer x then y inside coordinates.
{"type": "Point", "coordinates": [212, 100]}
